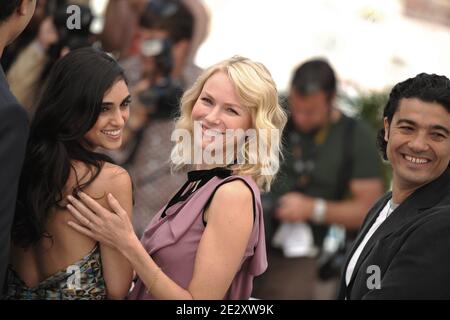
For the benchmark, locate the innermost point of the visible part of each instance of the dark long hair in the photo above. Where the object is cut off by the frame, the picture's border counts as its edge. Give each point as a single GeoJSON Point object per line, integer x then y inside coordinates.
{"type": "Point", "coordinates": [68, 108]}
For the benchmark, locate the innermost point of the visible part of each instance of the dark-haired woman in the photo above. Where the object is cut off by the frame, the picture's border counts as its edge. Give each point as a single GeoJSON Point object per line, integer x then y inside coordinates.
{"type": "Point", "coordinates": [84, 107]}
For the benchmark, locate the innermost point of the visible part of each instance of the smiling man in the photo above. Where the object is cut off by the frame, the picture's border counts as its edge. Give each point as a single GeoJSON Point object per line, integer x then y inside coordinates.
{"type": "Point", "coordinates": [402, 251]}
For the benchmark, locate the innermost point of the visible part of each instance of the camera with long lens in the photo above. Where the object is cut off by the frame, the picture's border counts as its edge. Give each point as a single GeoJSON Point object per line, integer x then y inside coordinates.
{"type": "Point", "coordinates": [162, 95]}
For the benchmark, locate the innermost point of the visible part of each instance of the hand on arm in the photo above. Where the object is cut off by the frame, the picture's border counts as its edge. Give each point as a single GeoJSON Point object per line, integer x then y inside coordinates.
{"type": "Point", "coordinates": [117, 270]}
{"type": "Point", "coordinates": [220, 252]}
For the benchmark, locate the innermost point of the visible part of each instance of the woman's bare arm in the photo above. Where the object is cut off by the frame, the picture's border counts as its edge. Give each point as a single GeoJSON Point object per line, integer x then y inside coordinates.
{"type": "Point", "coordinates": [117, 270]}
{"type": "Point", "coordinates": [220, 252]}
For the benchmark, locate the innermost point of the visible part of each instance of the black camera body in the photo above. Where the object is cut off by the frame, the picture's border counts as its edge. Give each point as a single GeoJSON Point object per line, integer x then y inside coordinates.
{"type": "Point", "coordinates": [161, 98]}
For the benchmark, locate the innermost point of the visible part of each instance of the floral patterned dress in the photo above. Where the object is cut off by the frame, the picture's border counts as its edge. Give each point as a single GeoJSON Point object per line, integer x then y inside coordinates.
{"type": "Point", "coordinates": [82, 280]}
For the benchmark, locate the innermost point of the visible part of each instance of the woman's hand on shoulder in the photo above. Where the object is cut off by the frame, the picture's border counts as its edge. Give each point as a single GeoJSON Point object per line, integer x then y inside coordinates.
{"type": "Point", "coordinates": [106, 219]}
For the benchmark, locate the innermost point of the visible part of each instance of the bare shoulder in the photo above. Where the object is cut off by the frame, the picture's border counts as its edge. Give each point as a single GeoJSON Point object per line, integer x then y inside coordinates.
{"type": "Point", "coordinates": [117, 181]}
{"type": "Point", "coordinates": [232, 202]}
{"type": "Point", "coordinates": [114, 177]}
{"type": "Point", "coordinates": [110, 176]}
{"type": "Point", "coordinates": [236, 190]}
{"type": "Point", "coordinates": [111, 179]}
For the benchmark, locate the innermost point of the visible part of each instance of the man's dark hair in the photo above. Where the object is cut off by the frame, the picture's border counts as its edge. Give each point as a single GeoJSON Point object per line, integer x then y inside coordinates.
{"type": "Point", "coordinates": [426, 87]}
{"type": "Point", "coordinates": [314, 75]}
{"type": "Point", "coordinates": [7, 7]}
{"type": "Point", "coordinates": [171, 16]}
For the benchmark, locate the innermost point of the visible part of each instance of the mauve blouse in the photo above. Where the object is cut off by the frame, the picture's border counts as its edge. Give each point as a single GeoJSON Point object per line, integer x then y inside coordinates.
{"type": "Point", "coordinates": [172, 240]}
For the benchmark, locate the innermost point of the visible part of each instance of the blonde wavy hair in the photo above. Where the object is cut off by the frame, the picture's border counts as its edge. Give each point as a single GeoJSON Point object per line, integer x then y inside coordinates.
{"type": "Point", "coordinates": [257, 91]}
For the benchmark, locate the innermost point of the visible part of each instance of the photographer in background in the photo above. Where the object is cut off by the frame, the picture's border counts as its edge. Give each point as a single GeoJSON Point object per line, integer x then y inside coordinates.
{"type": "Point", "coordinates": [53, 40]}
{"type": "Point", "coordinates": [121, 33]}
{"type": "Point", "coordinates": [156, 96]}
{"type": "Point", "coordinates": [166, 28]}
{"type": "Point", "coordinates": [330, 177]}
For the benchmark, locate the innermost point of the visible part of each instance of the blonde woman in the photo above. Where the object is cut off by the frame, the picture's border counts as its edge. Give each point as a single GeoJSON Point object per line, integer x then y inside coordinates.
{"type": "Point", "coordinates": [208, 241]}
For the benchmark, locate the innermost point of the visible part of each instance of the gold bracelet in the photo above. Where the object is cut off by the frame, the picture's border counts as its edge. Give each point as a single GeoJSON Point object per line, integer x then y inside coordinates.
{"type": "Point", "coordinates": [155, 278]}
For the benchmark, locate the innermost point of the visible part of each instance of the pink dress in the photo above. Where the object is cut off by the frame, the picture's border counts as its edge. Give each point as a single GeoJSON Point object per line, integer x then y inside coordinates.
{"type": "Point", "coordinates": [173, 236]}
